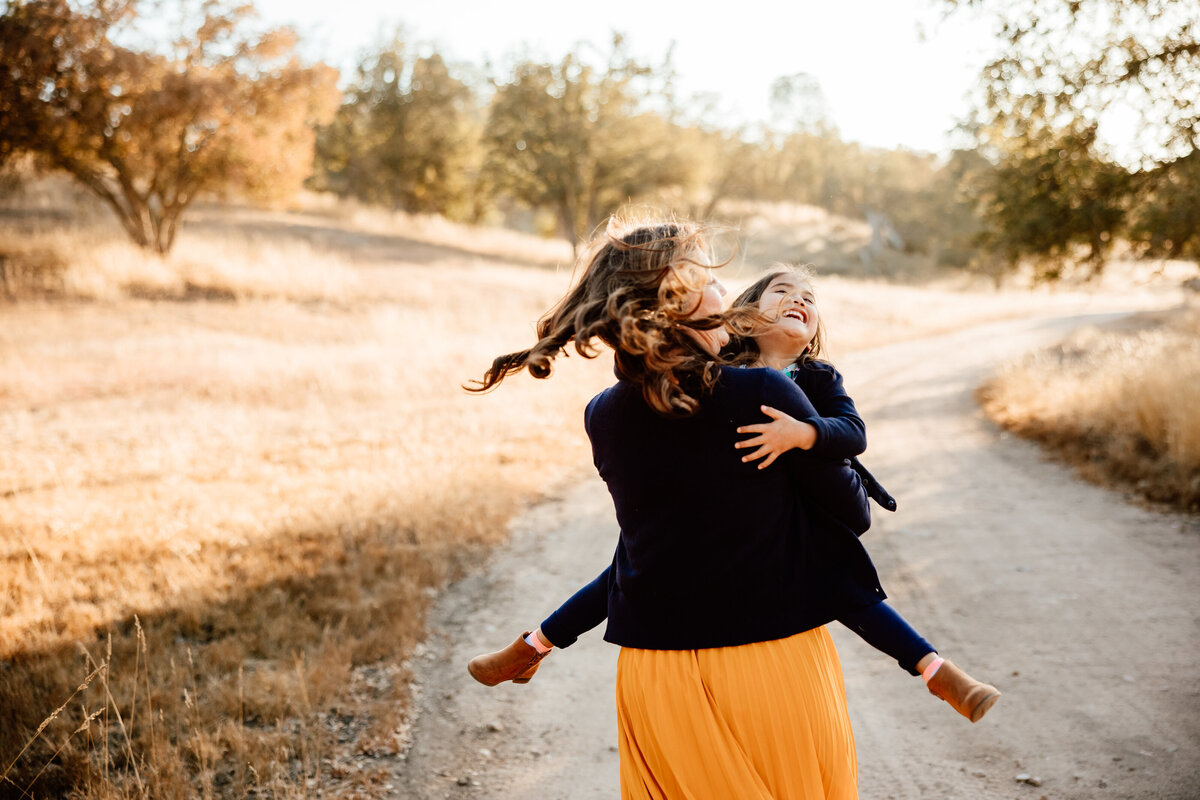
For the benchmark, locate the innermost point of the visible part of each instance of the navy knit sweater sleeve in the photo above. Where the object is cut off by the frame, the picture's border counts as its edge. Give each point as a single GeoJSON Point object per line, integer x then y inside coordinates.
{"type": "Point", "coordinates": [585, 609]}
{"type": "Point", "coordinates": [841, 435]}
{"type": "Point", "coordinates": [712, 552]}
{"type": "Point", "coordinates": [840, 430]}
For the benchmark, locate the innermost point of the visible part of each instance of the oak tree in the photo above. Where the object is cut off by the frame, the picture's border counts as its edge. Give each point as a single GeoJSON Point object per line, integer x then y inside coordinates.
{"type": "Point", "coordinates": [581, 140]}
{"type": "Point", "coordinates": [407, 135]}
{"type": "Point", "coordinates": [1070, 72]}
{"type": "Point", "coordinates": [147, 125]}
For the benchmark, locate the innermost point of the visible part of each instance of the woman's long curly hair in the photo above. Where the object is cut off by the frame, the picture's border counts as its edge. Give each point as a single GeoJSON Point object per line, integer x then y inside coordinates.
{"type": "Point", "coordinates": [640, 284]}
{"type": "Point", "coordinates": [742, 349]}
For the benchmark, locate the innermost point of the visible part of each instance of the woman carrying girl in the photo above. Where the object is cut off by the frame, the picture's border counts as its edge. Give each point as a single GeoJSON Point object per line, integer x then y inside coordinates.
{"type": "Point", "coordinates": [789, 339]}
{"type": "Point", "coordinates": [728, 684]}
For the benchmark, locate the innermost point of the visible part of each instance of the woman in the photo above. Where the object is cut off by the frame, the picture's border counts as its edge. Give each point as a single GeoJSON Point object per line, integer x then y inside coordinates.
{"type": "Point", "coordinates": [728, 685]}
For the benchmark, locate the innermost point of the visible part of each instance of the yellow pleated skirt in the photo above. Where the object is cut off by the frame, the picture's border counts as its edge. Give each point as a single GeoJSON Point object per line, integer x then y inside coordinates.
{"type": "Point", "coordinates": [763, 721]}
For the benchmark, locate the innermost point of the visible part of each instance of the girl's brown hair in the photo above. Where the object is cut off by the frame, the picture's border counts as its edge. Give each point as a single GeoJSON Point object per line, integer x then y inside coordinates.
{"type": "Point", "coordinates": [641, 282]}
{"type": "Point", "coordinates": [742, 348]}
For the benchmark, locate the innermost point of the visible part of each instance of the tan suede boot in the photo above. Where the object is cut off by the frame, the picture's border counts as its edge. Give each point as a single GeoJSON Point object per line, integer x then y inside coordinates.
{"type": "Point", "coordinates": [515, 663]}
{"type": "Point", "coordinates": [969, 697]}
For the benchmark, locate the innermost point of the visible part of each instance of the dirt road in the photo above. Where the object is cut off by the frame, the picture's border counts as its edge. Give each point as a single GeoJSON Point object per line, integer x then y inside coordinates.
{"type": "Point", "coordinates": [1082, 607]}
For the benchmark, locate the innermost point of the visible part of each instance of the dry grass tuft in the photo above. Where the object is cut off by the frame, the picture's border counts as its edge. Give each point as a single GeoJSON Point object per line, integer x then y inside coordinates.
{"type": "Point", "coordinates": [97, 262]}
{"type": "Point", "coordinates": [274, 489]}
{"type": "Point", "coordinates": [1119, 403]}
{"type": "Point", "coordinates": [498, 243]}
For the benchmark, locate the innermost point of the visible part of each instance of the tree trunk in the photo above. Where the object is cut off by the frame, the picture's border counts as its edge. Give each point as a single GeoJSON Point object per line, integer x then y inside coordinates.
{"type": "Point", "coordinates": [566, 218]}
{"type": "Point", "coordinates": [711, 207]}
{"type": "Point", "coordinates": [130, 220]}
{"type": "Point", "coordinates": [148, 228]}
{"type": "Point", "coordinates": [168, 227]}
{"type": "Point", "coordinates": [134, 220]}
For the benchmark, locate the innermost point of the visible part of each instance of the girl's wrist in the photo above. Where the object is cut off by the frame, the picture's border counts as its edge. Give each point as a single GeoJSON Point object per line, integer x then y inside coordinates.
{"type": "Point", "coordinates": [806, 436]}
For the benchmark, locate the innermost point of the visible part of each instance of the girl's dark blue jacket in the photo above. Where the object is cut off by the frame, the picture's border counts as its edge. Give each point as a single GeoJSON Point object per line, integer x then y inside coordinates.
{"type": "Point", "coordinates": [712, 551]}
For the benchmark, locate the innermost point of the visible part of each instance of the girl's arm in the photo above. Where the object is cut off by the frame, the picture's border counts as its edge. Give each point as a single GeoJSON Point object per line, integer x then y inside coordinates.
{"type": "Point", "coordinates": [840, 430]}
{"type": "Point", "coordinates": [827, 482]}
{"type": "Point", "coordinates": [823, 385]}
{"type": "Point", "coordinates": [834, 431]}
{"type": "Point", "coordinates": [585, 609]}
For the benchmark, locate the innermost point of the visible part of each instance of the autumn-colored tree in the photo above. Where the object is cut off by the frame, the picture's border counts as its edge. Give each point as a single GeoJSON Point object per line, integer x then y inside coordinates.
{"type": "Point", "coordinates": [407, 136]}
{"type": "Point", "coordinates": [220, 108]}
{"type": "Point", "coordinates": [579, 140]}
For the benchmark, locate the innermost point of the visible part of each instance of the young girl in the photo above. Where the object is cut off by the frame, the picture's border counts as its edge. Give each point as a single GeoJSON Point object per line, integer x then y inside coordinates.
{"type": "Point", "coordinates": [788, 338]}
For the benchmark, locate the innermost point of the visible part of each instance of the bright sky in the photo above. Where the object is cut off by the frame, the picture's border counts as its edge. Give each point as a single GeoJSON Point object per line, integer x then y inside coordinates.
{"type": "Point", "coordinates": [886, 84]}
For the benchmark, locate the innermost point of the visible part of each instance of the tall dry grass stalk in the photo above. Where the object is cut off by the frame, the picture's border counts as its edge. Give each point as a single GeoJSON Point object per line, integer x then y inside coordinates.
{"type": "Point", "coordinates": [274, 488]}
{"type": "Point", "coordinates": [1120, 404]}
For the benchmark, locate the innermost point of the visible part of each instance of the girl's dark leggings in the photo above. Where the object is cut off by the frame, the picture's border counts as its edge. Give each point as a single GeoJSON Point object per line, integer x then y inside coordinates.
{"type": "Point", "coordinates": [885, 630]}
{"type": "Point", "coordinates": [877, 624]}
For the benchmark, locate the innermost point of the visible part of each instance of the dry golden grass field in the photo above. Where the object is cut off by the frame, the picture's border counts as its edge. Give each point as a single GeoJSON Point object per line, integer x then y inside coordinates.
{"type": "Point", "coordinates": [1120, 403]}
{"type": "Point", "coordinates": [231, 480]}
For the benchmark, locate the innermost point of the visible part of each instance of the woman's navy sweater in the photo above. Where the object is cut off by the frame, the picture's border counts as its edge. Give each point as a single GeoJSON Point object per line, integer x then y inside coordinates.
{"type": "Point", "coordinates": [712, 551]}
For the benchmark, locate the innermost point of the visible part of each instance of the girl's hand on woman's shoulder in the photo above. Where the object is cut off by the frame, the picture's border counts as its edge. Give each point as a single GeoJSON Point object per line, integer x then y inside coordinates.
{"type": "Point", "coordinates": [776, 437]}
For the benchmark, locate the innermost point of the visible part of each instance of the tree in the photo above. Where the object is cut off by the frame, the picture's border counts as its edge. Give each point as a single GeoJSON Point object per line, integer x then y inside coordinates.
{"type": "Point", "coordinates": [1074, 60]}
{"type": "Point", "coordinates": [1050, 199]}
{"type": "Point", "coordinates": [1165, 218]}
{"type": "Point", "coordinates": [217, 109]}
{"type": "Point", "coordinates": [407, 136]}
{"type": "Point", "coordinates": [726, 164]}
{"type": "Point", "coordinates": [1070, 70]}
{"type": "Point", "coordinates": [817, 167]}
{"type": "Point", "coordinates": [940, 218]}
{"type": "Point", "coordinates": [798, 104]}
{"type": "Point", "coordinates": [580, 141]}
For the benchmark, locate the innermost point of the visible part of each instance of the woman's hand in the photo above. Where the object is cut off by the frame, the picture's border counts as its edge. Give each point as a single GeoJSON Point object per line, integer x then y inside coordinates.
{"type": "Point", "coordinates": [783, 433]}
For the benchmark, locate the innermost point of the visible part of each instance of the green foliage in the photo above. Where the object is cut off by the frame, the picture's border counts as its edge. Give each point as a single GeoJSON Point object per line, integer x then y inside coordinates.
{"type": "Point", "coordinates": [925, 201]}
{"type": "Point", "coordinates": [800, 158]}
{"type": "Point", "coordinates": [1166, 212]}
{"type": "Point", "coordinates": [581, 141]}
{"type": "Point", "coordinates": [917, 196]}
{"type": "Point", "coordinates": [1068, 61]}
{"type": "Point", "coordinates": [406, 136]}
{"type": "Point", "coordinates": [803, 159]}
{"type": "Point", "coordinates": [1067, 66]}
{"type": "Point", "coordinates": [941, 218]}
{"type": "Point", "coordinates": [219, 108]}
{"type": "Point", "coordinates": [1053, 201]}
{"type": "Point", "coordinates": [725, 165]}
{"type": "Point", "coordinates": [820, 169]}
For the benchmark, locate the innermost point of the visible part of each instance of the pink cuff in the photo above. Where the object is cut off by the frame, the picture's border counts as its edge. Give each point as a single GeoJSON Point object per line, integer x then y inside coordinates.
{"type": "Point", "coordinates": [533, 641]}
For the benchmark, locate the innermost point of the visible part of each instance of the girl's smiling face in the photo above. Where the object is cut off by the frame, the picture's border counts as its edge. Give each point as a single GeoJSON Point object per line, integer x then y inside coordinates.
{"type": "Point", "coordinates": [790, 302]}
